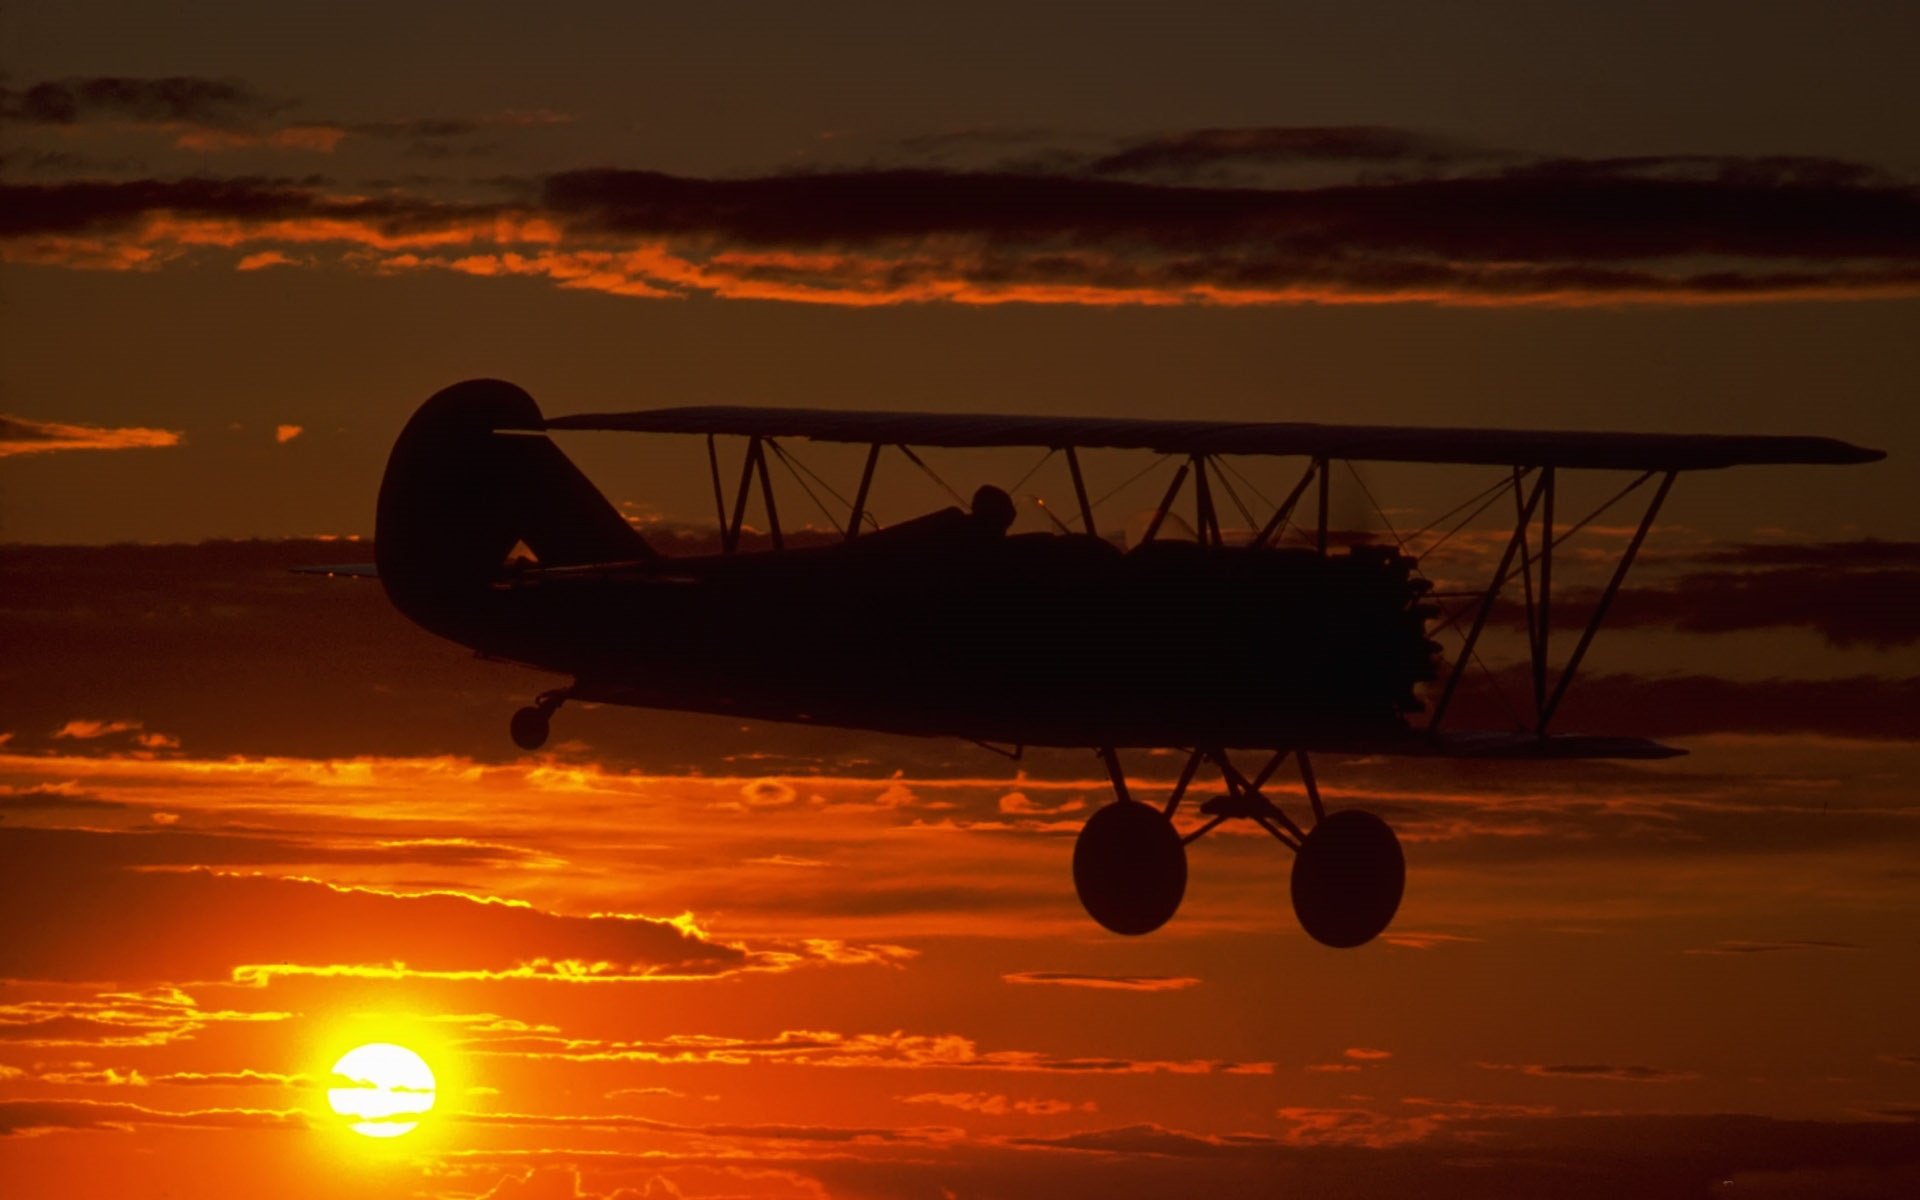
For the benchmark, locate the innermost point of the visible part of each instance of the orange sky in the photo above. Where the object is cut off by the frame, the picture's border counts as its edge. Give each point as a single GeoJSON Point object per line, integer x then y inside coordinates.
{"type": "Point", "coordinates": [250, 820]}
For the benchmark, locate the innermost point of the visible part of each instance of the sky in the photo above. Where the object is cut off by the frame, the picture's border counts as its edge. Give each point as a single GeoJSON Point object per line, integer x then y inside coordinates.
{"type": "Point", "coordinates": [251, 820]}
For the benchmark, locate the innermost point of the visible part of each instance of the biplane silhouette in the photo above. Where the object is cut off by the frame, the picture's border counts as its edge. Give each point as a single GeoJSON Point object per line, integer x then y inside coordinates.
{"type": "Point", "coordinates": [1210, 646]}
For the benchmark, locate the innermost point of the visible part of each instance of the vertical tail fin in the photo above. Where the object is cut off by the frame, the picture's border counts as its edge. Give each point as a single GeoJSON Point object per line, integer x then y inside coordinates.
{"type": "Point", "coordinates": [471, 476]}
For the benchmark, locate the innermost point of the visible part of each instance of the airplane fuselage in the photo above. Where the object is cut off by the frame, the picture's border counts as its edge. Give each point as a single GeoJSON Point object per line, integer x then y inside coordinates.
{"type": "Point", "coordinates": [944, 629]}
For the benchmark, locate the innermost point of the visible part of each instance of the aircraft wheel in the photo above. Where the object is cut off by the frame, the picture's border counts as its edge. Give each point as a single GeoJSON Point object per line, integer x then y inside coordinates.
{"type": "Point", "coordinates": [1348, 878]}
{"type": "Point", "coordinates": [529, 728]}
{"type": "Point", "coordinates": [1130, 867]}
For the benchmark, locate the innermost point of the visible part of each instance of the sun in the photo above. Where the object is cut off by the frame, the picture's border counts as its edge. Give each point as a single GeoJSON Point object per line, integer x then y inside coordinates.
{"type": "Point", "coordinates": [383, 1088]}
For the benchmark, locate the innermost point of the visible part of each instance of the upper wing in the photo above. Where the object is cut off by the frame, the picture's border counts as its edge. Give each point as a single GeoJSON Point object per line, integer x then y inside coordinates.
{"type": "Point", "coordinates": [1375, 443]}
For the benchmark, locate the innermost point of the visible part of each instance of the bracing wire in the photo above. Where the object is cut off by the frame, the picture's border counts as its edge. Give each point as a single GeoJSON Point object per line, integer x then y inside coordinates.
{"type": "Point", "coordinates": [1018, 483]}
{"type": "Point", "coordinates": [1129, 481]}
{"type": "Point", "coordinates": [1398, 541]}
{"type": "Point", "coordinates": [1235, 497]}
{"type": "Point", "coordinates": [788, 463]}
{"type": "Point", "coordinates": [932, 474]}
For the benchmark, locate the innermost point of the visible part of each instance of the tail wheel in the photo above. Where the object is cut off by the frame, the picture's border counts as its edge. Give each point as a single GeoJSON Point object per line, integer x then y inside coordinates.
{"type": "Point", "coordinates": [1348, 878]}
{"type": "Point", "coordinates": [530, 727]}
{"type": "Point", "coordinates": [1130, 868]}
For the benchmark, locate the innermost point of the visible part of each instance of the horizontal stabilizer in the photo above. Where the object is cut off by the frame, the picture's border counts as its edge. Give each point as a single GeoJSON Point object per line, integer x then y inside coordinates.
{"type": "Point", "coordinates": [1495, 744]}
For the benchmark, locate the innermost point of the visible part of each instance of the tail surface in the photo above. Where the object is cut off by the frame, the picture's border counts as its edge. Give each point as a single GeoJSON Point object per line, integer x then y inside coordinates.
{"type": "Point", "coordinates": [472, 476]}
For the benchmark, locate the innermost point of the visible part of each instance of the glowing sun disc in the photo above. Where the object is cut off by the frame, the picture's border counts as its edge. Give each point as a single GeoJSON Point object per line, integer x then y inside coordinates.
{"type": "Point", "coordinates": [385, 1088]}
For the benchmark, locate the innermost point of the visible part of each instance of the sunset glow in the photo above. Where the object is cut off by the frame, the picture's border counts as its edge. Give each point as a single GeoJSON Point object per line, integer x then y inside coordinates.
{"type": "Point", "coordinates": [300, 900]}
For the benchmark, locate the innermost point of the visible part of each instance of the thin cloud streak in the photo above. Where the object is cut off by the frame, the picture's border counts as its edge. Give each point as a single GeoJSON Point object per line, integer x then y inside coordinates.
{"type": "Point", "coordinates": [1118, 983]}
{"type": "Point", "coordinates": [23, 435]}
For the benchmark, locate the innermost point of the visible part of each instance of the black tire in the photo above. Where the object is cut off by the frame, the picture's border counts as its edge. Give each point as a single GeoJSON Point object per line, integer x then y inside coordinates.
{"type": "Point", "coordinates": [1348, 879]}
{"type": "Point", "coordinates": [529, 728]}
{"type": "Point", "coordinates": [1130, 868]}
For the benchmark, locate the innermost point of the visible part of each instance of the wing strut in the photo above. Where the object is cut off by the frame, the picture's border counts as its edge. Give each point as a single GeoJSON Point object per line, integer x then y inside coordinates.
{"type": "Point", "coordinates": [860, 496]}
{"type": "Point", "coordinates": [1485, 608]}
{"type": "Point", "coordinates": [1280, 514]}
{"type": "Point", "coordinates": [1606, 601]}
{"type": "Point", "coordinates": [1538, 593]}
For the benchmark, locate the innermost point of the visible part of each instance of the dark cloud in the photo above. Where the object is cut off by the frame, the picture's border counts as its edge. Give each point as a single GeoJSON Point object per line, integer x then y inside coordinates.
{"type": "Point", "coordinates": [1463, 1155]}
{"type": "Point", "coordinates": [1544, 217]}
{"type": "Point", "coordinates": [1123, 983]}
{"type": "Point", "coordinates": [1387, 1156]}
{"type": "Point", "coordinates": [1155, 1140]}
{"type": "Point", "coordinates": [1190, 152]}
{"type": "Point", "coordinates": [63, 162]}
{"type": "Point", "coordinates": [1599, 1071]}
{"type": "Point", "coordinates": [1758, 170]}
{"type": "Point", "coordinates": [1865, 553]}
{"type": "Point", "coordinates": [218, 103]}
{"type": "Point", "coordinates": [769, 1132]}
{"type": "Point", "coordinates": [1850, 593]}
{"type": "Point", "coordinates": [1497, 236]}
{"type": "Point", "coordinates": [1745, 947]}
{"type": "Point", "coordinates": [111, 850]}
{"type": "Point", "coordinates": [217, 114]}
{"type": "Point", "coordinates": [80, 910]}
{"type": "Point", "coordinates": [1674, 706]}
{"type": "Point", "coordinates": [94, 207]}
{"type": "Point", "coordinates": [44, 798]}
{"type": "Point", "coordinates": [45, 1116]}
{"type": "Point", "coordinates": [1562, 232]}
{"type": "Point", "coordinates": [897, 1050]}
{"type": "Point", "coordinates": [152, 1017]}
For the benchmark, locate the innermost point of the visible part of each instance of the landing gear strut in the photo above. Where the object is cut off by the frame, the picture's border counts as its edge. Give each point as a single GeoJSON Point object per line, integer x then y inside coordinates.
{"type": "Point", "coordinates": [531, 725]}
{"type": "Point", "coordinates": [1130, 863]}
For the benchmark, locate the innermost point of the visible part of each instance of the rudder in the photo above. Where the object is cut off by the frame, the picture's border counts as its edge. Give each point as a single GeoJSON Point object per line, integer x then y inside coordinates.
{"type": "Point", "coordinates": [471, 475]}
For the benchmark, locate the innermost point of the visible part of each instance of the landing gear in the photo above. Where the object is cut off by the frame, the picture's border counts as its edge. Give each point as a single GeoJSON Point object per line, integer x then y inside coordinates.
{"type": "Point", "coordinates": [1347, 879]}
{"type": "Point", "coordinates": [531, 725]}
{"type": "Point", "coordinates": [1130, 863]}
{"type": "Point", "coordinates": [1130, 868]}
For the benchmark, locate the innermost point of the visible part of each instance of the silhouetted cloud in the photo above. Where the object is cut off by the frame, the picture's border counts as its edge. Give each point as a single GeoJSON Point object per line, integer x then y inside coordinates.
{"type": "Point", "coordinates": [896, 1050]}
{"type": "Point", "coordinates": [177, 99]}
{"type": "Point", "coordinates": [147, 1017]}
{"type": "Point", "coordinates": [1558, 232]}
{"type": "Point", "coordinates": [1864, 706]}
{"type": "Point", "coordinates": [1190, 152]}
{"type": "Point", "coordinates": [1862, 553]}
{"type": "Point", "coordinates": [747, 1132]}
{"type": "Point", "coordinates": [226, 1079]}
{"type": "Point", "coordinates": [210, 115]}
{"type": "Point", "coordinates": [1454, 1152]}
{"type": "Point", "coordinates": [1552, 213]}
{"type": "Point", "coordinates": [42, 1116]}
{"type": "Point", "coordinates": [50, 797]}
{"type": "Point", "coordinates": [993, 1104]}
{"type": "Point", "coordinates": [246, 209]}
{"type": "Point", "coordinates": [1123, 983]}
{"type": "Point", "coordinates": [1850, 593]}
{"type": "Point", "coordinates": [20, 435]}
{"type": "Point", "coordinates": [1746, 947]}
{"type": "Point", "coordinates": [1600, 1071]}
{"type": "Point", "coordinates": [255, 927]}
